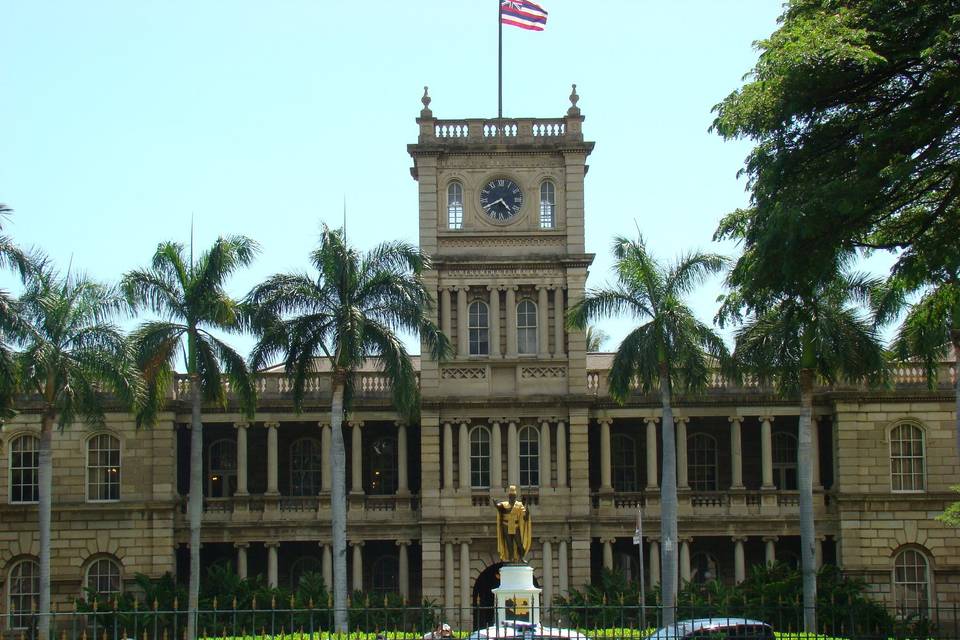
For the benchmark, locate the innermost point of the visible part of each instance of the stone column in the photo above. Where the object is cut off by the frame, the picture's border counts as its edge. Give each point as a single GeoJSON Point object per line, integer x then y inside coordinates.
{"type": "Point", "coordinates": [543, 319]}
{"type": "Point", "coordinates": [546, 464]}
{"type": "Point", "coordinates": [607, 553]}
{"type": "Point", "coordinates": [463, 336]}
{"type": "Point", "coordinates": [356, 457]}
{"type": "Point", "coordinates": [445, 310]}
{"type": "Point", "coordinates": [272, 480]}
{"type": "Point", "coordinates": [464, 584]}
{"type": "Point", "coordinates": [241, 548]}
{"type": "Point", "coordinates": [513, 454]}
{"type": "Point", "coordinates": [739, 560]}
{"type": "Point", "coordinates": [357, 565]}
{"type": "Point", "coordinates": [682, 482]}
{"type": "Point", "coordinates": [496, 455]}
{"type": "Point", "coordinates": [547, 573]}
{"type": "Point", "coordinates": [654, 563]}
{"type": "Point", "coordinates": [815, 451]}
{"type": "Point", "coordinates": [685, 560]}
{"type": "Point", "coordinates": [606, 484]}
{"type": "Point", "coordinates": [448, 580]}
{"type": "Point", "coordinates": [511, 302]}
{"type": "Point", "coordinates": [327, 566]}
{"type": "Point", "coordinates": [652, 469]}
{"type": "Point", "coordinates": [326, 469]}
{"type": "Point", "coordinates": [447, 455]}
{"type": "Point", "coordinates": [770, 550]}
{"type": "Point", "coordinates": [561, 454]}
{"type": "Point", "coordinates": [463, 455]}
{"type": "Point", "coordinates": [766, 451]}
{"type": "Point", "coordinates": [736, 453]}
{"type": "Point", "coordinates": [558, 322]}
{"type": "Point", "coordinates": [562, 567]}
{"type": "Point", "coordinates": [241, 428]}
{"type": "Point", "coordinates": [403, 481]}
{"type": "Point", "coordinates": [403, 568]}
{"type": "Point", "coordinates": [495, 322]}
{"type": "Point", "coordinates": [272, 563]}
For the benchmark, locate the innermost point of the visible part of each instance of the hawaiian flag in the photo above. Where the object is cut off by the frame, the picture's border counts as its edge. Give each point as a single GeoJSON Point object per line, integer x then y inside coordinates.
{"type": "Point", "coordinates": [523, 14]}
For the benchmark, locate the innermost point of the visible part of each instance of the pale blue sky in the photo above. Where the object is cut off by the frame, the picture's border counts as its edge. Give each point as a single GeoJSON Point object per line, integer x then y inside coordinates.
{"type": "Point", "coordinates": [119, 119]}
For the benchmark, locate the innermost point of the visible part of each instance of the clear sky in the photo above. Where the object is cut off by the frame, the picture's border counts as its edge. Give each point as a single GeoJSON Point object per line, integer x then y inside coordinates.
{"type": "Point", "coordinates": [119, 120]}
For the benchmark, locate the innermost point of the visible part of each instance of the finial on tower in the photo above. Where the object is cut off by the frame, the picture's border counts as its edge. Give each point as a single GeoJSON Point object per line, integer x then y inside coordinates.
{"type": "Point", "coordinates": [425, 112]}
{"type": "Point", "coordinates": [574, 99]}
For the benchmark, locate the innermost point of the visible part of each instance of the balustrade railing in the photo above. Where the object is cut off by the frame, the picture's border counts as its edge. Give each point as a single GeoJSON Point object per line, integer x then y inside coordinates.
{"type": "Point", "coordinates": [501, 131]}
{"type": "Point", "coordinates": [368, 384]}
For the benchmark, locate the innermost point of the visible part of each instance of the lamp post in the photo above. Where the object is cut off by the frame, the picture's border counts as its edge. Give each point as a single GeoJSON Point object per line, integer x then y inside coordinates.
{"type": "Point", "coordinates": [638, 540]}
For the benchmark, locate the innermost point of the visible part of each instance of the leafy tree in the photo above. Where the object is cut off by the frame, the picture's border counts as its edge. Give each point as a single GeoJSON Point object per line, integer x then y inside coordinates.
{"type": "Point", "coordinates": [190, 301]}
{"type": "Point", "coordinates": [951, 516]}
{"type": "Point", "coordinates": [670, 350]}
{"type": "Point", "coordinates": [348, 312]}
{"type": "Point", "coordinates": [595, 338]}
{"type": "Point", "coordinates": [792, 340]}
{"type": "Point", "coordinates": [854, 106]}
{"type": "Point", "coordinates": [71, 355]}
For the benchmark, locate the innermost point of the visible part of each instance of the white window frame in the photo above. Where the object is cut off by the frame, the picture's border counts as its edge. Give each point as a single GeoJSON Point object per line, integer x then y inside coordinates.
{"type": "Point", "coordinates": [455, 205]}
{"type": "Point", "coordinates": [10, 468]}
{"type": "Point", "coordinates": [524, 329]}
{"type": "Point", "coordinates": [225, 472]}
{"type": "Point", "coordinates": [101, 468]}
{"type": "Point", "coordinates": [926, 583]}
{"type": "Point", "coordinates": [96, 563]}
{"type": "Point", "coordinates": [626, 443]}
{"type": "Point", "coordinates": [781, 466]}
{"type": "Point", "coordinates": [479, 462]}
{"type": "Point", "coordinates": [548, 205]}
{"type": "Point", "coordinates": [529, 453]}
{"type": "Point", "coordinates": [694, 463]}
{"type": "Point", "coordinates": [479, 329]}
{"type": "Point", "coordinates": [32, 596]}
{"type": "Point", "coordinates": [922, 458]}
{"type": "Point", "coordinates": [316, 472]}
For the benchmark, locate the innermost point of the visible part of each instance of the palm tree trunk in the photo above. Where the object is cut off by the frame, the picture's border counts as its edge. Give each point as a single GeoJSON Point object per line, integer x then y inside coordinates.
{"type": "Point", "coordinates": [195, 506]}
{"type": "Point", "coordinates": [338, 509]}
{"type": "Point", "coordinates": [668, 505]}
{"type": "Point", "coordinates": [808, 538]}
{"type": "Point", "coordinates": [43, 508]}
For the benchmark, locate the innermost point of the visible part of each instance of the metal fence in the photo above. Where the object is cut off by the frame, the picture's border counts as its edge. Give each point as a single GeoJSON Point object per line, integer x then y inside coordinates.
{"type": "Point", "coordinates": [595, 622]}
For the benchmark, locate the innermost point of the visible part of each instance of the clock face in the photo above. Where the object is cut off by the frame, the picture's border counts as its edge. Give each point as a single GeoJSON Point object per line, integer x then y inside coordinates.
{"type": "Point", "coordinates": [501, 199]}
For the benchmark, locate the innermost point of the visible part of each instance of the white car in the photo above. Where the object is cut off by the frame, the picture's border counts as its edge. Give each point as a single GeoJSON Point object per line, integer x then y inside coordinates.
{"type": "Point", "coordinates": [715, 629]}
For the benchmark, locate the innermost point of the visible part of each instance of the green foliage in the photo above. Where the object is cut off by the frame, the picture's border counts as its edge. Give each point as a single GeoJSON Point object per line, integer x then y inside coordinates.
{"type": "Point", "coordinates": [951, 516]}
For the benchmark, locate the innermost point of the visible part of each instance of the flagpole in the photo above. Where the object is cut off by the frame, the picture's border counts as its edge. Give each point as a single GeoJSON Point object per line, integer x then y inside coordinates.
{"type": "Point", "coordinates": [499, 63]}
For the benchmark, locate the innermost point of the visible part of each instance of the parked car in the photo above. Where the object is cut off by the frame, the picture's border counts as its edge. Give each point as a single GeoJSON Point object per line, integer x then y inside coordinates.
{"type": "Point", "coordinates": [715, 629]}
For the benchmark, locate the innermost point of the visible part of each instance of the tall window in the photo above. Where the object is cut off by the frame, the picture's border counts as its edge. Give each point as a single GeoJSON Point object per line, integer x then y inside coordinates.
{"type": "Point", "coordinates": [624, 462]}
{"type": "Point", "coordinates": [222, 469]}
{"type": "Point", "coordinates": [479, 329]}
{"type": "Point", "coordinates": [479, 457]}
{"type": "Point", "coordinates": [702, 462]}
{"type": "Point", "coordinates": [385, 575]}
{"type": "Point", "coordinates": [301, 567]}
{"type": "Point", "coordinates": [548, 205]}
{"type": "Point", "coordinates": [305, 464]}
{"type": "Point", "coordinates": [911, 582]}
{"type": "Point", "coordinates": [785, 460]}
{"type": "Point", "coordinates": [103, 577]}
{"type": "Point", "coordinates": [527, 327]}
{"type": "Point", "coordinates": [25, 469]}
{"type": "Point", "coordinates": [103, 467]}
{"type": "Point", "coordinates": [383, 467]}
{"type": "Point", "coordinates": [529, 456]}
{"type": "Point", "coordinates": [703, 568]}
{"type": "Point", "coordinates": [907, 471]}
{"type": "Point", "coordinates": [23, 591]}
{"type": "Point", "coordinates": [455, 206]}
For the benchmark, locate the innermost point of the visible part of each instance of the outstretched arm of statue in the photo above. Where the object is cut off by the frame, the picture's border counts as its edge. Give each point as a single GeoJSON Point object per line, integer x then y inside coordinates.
{"type": "Point", "coordinates": [496, 505]}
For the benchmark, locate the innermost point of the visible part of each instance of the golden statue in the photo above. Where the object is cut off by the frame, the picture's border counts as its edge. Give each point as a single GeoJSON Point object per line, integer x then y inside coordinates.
{"type": "Point", "coordinates": [513, 527]}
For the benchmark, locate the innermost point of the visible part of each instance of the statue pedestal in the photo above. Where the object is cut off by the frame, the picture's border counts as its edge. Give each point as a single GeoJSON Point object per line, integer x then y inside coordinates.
{"type": "Point", "coordinates": [518, 600]}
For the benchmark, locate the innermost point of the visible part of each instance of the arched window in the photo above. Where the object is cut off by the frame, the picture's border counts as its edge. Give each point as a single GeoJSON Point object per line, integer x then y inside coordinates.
{"type": "Point", "coordinates": [103, 577]}
{"type": "Point", "coordinates": [23, 591]}
{"type": "Point", "coordinates": [703, 568]}
{"type": "Point", "coordinates": [383, 467]}
{"type": "Point", "coordinates": [548, 205]}
{"type": "Point", "coordinates": [624, 462]}
{"type": "Point", "coordinates": [385, 575]}
{"type": "Point", "coordinates": [222, 469]}
{"type": "Point", "coordinates": [702, 462]}
{"type": "Point", "coordinates": [479, 457]}
{"type": "Point", "coordinates": [785, 460]}
{"type": "Point", "coordinates": [301, 567]}
{"type": "Point", "coordinates": [103, 467]}
{"type": "Point", "coordinates": [907, 472]}
{"type": "Point", "coordinates": [911, 582]}
{"type": "Point", "coordinates": [527, 327]}
{"type": "Point", "coordinates": [529, 439]}
{"type": "Point", "coordinates": [455, 206]}
{"type": "Point", "coordinates": [305, 464]}
{"type": "Point", "coordinates": [25, 469]}
{"type": "Point", "coordinates": [479, 329]}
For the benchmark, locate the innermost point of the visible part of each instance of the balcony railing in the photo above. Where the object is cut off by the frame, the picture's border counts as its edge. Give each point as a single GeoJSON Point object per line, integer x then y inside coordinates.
{"type": "Point", "coordinates": [278, 385]}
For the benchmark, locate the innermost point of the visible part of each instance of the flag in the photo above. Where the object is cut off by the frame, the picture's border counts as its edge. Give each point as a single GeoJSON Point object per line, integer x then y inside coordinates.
{"type": "Point", "coordinates": [523, 14]}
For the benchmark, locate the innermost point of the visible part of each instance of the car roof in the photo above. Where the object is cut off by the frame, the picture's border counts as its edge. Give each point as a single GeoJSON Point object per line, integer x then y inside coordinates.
{"type": "Point", "coordinates": [683, 627]}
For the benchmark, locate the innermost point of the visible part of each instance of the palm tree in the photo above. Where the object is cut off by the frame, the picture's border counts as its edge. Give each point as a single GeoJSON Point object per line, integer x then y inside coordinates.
{"type": "Point", "coordinates": [347, 312]}
{"type": "Point", "coordinates": [190, 301]}
{"type": "Point", "coordinates": [595, 338]}
{"type": "Point", "coordinates": [71, 355]}
{"type": "Point", "coordinates": [670, 350]}
{"type": "Point", "coordinates": [792, 340]}
{"type": "Point", "coordinates": [24, 264]}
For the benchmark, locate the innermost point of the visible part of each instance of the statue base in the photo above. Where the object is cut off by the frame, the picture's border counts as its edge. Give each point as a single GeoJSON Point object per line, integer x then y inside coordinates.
{"type": "Point", "coordinates": [518, 600]}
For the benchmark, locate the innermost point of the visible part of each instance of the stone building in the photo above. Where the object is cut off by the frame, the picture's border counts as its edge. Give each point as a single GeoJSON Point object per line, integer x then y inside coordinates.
{"type": "Point", "coordinates": [502, 214]}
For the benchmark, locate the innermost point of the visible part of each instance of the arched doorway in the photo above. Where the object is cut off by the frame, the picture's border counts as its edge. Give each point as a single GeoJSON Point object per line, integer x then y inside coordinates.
{"type": "Point", "coordinates": [484, 612]}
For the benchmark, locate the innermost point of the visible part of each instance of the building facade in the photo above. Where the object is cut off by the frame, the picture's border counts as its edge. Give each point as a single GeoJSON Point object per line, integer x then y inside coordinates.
{"type": "Point", "coordinates": [502, 215]}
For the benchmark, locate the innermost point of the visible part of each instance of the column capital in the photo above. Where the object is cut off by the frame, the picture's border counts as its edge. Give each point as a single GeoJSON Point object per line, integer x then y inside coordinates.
{"type": "Point", "coordinates": [687, 539]}
{"type": "Point", "coordinates": [271, 545]}
{"type": "Point", "coordinates": [400, 423]}
{"type": "Point", "coordinates": [496, 421]}
{"type": "Point", "coordinates": [356, 543]}
{"type": "Point", "coordinates": [605, 420]}
{"type": "Point", "coordinates": [547, 540]}
{"type": "Point", "coordinates": [241, 425]}
{"type": "Point", "coordinates": [324, 543]}
{"type": "Point", "coordinates": [271, 425]}
{"type": "Point", "coordinates": [770, 538]}
{"type": "Point", "coordinates": [511, 287]}
{"type": "Point", "coordinates": [461, 287]}
{"type": "Point", "coordinates": [607, 540]}
{"type": "Point", "coordinates": [545, 420]}
{"type": "Point", "coordinates": [738, 538]}
{"type": "Point", "coordinates": [679, 419]}
{"type": "Point", "coordinates": [241, 545]}
{"type": "Point", "coordinates": [653, 539]}
{"type": "Point", "coordinates": [403, 542]}
{"type": "Point", "coordinates": [766, 418]}
{"type": "Point", "coordinates": [652, 420]}
{"type": "Point", "coordinates": [542, 287]}
{"type": "Point", "coordinates": [737, 419]}
{"type": "Point", "coordinates": [324, 424]}
{"type": "Point", "coordinates": [355, 424]}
